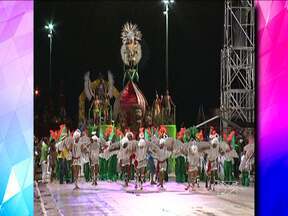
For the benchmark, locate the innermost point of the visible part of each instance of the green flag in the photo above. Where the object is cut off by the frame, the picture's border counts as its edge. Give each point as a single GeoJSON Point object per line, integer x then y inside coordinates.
{"type": "Point", "coordinates": [63, 133]}
{"type": "Point", "coordinates": [233, 142]}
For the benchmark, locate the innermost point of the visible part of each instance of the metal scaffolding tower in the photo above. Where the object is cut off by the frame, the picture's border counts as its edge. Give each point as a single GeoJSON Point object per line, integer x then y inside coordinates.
{"type": "Point", "coordinates": [238, 62]}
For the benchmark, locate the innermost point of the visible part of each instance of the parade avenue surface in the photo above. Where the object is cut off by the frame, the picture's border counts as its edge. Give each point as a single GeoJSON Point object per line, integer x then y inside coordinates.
{"type": "Point", "coordinates": [111, 198]}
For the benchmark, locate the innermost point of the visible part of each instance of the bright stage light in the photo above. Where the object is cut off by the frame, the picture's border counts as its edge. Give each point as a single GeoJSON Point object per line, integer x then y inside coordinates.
{"type": "Point", "coordinates": [50, 30]}
{"type": "Point", "coordinates": [49, 27]}
{"type": "Point", "coordinates": [37, 92]}
{"type": "Point", "coordinates": [167, 2]}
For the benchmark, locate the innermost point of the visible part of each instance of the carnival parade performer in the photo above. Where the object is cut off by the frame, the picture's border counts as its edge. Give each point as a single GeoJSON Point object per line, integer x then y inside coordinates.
{"type": "Point", "coordinates": [62, 164]}
{"type": "Point", "coordinates": [162, 154]}
{"type": "Point", "coordinates": [193, 159]}
{"type": "Point", "coordinates": [247, 161]}
{"type": "Point", "coordinates": [212, 167]}
{"type": "Point", "coordinates": [124, 156]}
{"type": "Point", "coordinates": [94, 157]}
{"type": "Point", "coordinates": [97, 109]}
{"type": "Point", "coordinates": [103, 156]}
{"type": "Point", "coordinates": [151, 161]}
{"type": "Point", "coordinates": [76, 156]}
{"type": "Point", "coordinates": [141, 162]}
{"type": "Point", "coordinates": [44, 159]}
{"type": "Point", "coordinates": [85, 143]}
{"type": "Point", "coordinates": [52, 160]}
{"type": "Point", "coordinates": [156, 145]}
{"type": "Point", "coordinates": [228, 162]}
{"type": "Point", "coordinates": [64, 144]}
{"type": "Point", "coordinates": [68, 142]}
{"type": "Point", "coordinates": [112, 173]}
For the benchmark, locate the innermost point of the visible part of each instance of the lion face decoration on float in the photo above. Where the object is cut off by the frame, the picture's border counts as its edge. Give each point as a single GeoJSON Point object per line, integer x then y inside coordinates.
{"type": "Point", "coordinates": [131, 52]}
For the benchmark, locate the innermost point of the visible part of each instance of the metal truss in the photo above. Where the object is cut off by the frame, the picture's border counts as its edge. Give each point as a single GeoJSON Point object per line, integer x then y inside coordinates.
{"type": "Point", "coordinates": [238, 62]}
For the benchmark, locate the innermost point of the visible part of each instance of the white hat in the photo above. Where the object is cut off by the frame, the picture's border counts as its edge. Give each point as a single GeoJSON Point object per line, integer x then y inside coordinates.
{"type": "Point", "coordinates": [94, 137]}
{"type": "Point", "coordinates": [77, 134]}
{"type": "Point", "coordinates": [108, 143]}
{"type": "Point", "coordinates": [124, 140]}
{"type": "Point", "coordinates": [141, 135]}
{"type": "Point", "coordinates": [128, 133]}
{"type": "Point", "coordinates": [194, 148]}
{"type": "Point", "coordinates": [162, 141]}
{"type": "Point", "coordinates": [215, 140]}
{"type": "Point", "coordinates": [141, 143]}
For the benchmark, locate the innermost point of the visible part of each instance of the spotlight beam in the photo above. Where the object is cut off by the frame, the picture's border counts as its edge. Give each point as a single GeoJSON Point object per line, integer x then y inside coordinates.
{"type": "Point", "coordinates": [50, 29]}
{"type": "Point", "coordinates": [167, 3]}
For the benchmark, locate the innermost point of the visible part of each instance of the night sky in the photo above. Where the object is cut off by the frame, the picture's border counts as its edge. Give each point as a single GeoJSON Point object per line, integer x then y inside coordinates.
{"type": "Point", "coordinates": [88, 38]}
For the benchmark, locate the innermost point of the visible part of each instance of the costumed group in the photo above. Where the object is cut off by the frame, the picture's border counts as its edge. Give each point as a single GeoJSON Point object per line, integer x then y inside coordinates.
{"type": "Point", "coordinates": [118, 156]}
{"type": "Point", "coordinates": [148, 153]}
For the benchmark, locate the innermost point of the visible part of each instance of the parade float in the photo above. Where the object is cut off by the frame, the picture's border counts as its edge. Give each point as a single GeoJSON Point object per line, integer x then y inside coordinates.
{"type": "Point", "coordinates": [130, 109]}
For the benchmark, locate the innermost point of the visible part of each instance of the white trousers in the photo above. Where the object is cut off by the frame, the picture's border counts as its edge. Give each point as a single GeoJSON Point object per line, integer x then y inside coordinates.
{"type": "Point", "coordinates": [44, 170]}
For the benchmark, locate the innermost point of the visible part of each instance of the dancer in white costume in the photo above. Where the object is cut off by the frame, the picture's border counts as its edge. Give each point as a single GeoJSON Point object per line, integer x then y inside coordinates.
{"type": "Point", "coordinates": [94, 157]}
{"type": "Point", "coordinates": [141, 154]}
{"type": "Point", "coordinates": [247, 162]}
{"type": "Point", "coordinates": [212, 166]}
{"type": "Point", "coordinates": [193, 159]}
{"type": "Point", "coordinates": [76, 156]}
{"type": "Point", "coordinates": [124, 154]}
{"type": "Point", "coordinates": [85, 149]}
{"type": "Point", "coordinates": [162, 154]}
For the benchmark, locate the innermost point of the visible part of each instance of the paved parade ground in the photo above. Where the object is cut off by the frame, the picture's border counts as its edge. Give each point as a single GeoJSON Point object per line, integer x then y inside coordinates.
{"type": "Point", "coordinates": [111, 198]}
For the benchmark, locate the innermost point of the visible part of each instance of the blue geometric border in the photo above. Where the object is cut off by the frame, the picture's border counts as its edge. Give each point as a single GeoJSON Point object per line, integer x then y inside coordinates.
{"type": "Point", "coordinates": [16, 107]}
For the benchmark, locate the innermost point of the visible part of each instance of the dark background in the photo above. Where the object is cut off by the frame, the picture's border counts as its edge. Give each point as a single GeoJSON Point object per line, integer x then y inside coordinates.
{"type": "Point", "coordinates": [87, 37]}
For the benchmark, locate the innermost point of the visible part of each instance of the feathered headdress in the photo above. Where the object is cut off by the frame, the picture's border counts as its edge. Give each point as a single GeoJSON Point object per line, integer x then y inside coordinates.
{"type": "Point", "coordinates": [141, 133]}
{"type": "Point", "coordinates": [108, 131]}
{"type": "Point", "coordinates": [162, 130]}
{"type": "Point", "coordinates": [119, 133]}
{"type": "Point", "coordinates": [130, 32]}
{"type": "Point", "coordinates": [200, 136]}
{"type": "Point", "coordinates": [54, 135]}
{"type": "Point", "coordinates": [181, 133]}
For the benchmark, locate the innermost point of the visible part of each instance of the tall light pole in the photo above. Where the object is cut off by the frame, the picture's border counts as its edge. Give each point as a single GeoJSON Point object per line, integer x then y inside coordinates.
{"type": "Point", "coordinates": [50, 28]}
{"type": "Point", "coordinates": [166, 13]}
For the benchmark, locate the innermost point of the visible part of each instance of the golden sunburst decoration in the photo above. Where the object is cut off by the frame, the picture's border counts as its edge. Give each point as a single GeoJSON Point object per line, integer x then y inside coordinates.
{"type": "Point", "coordinates": [130, 33]}
{"type": "Point", "coordinates": [131, 52]}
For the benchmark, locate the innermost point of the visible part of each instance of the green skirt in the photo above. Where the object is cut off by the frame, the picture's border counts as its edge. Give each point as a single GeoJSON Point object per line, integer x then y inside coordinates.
{"type": "Point", "coordinates": [103, 169]}
{"type": "Point", "coordinates": [112, 168]}
{"type": "Point", "coordinates": [180, 169]}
